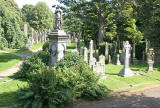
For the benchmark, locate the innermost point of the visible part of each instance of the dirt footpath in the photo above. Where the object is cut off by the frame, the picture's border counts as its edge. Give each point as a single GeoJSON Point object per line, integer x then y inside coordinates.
{"type": "Point", "coordinates": [149, 98]}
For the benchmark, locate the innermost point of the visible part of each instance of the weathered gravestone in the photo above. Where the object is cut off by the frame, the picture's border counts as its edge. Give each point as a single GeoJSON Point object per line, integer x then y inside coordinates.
{"type": "Point", "coordinates": [99, 67]}
{"type": "Point", "coordinates": [85, 54]}
{"type": "Point", "coordinates": [126, 72]}
{"type": "Point", "coordinates": [150, 59]}
{"type": "Point", "coordinates": [58, 39]}
{"type": "Point", "coordinates": [92, 60]}
{"type": "Point", "coordinates": [25, 30]}
{"type": "Point", "coordinates": [106, 50]}
{"type": "Point", "coordinates": [118, 61]}
{"type": "Point", "coordinates": [32, 36]}
{"type": "Point", "coordinates": [36, 37]}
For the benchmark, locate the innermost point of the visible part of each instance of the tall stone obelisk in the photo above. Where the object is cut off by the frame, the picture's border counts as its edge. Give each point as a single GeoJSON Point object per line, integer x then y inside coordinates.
{"type": "Point", "coordinates": [57, 39]}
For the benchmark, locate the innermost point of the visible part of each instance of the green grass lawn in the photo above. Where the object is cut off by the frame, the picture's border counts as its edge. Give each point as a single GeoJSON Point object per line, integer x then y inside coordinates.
{"type": "Point", "coordinates": [8, 92]}
{"type": "Point", "coordinates": [19, 51]}
{"type": "Point", "coordinates": [7, 61]}
{"type": "Point", "coordinates": [36, 46]}
{"type": "Point", "coordinates": [71, 47]}
{"type": "Point", "coordinates": [116, 82]}
{"type": "Point", "coordinates": [24, 51]}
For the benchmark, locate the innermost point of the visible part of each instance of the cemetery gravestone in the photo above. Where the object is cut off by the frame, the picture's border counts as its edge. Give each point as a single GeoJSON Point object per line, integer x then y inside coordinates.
{"type": "Point", "coordinates": [85, 54]}
{"type": "Point", "coordinates": [92, 60]}
{"type": "Point", "coordinates": [118, 61]}
{"type": "Point", "coordinates": [25, 30]}
{"type": "Point", "coordinates": [99, 67]}
{"type": "Point", "coordinates": [126, 72]}
{"type": "Point", "coordinates": [32, 40]}
{"type": "Point", "coordinates": [150, 59]}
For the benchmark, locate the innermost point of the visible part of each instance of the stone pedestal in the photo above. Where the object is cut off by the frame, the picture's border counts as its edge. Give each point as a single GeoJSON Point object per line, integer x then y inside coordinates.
{"type": "Point", "coordinates": [126, 72]}
{"type": "Point", "coordinates": [150, 66]}
{"type": "Point", "coordinates": [118, 61]}
{"type": "Point", "coordinates": [57, 45]}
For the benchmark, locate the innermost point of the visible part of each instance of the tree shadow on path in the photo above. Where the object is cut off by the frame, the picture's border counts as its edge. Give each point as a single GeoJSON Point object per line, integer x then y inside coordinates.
{"type": "Point", "coordinates": [133, 101]}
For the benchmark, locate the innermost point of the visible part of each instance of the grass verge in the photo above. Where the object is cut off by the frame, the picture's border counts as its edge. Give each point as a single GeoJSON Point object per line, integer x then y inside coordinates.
{"type": "Point", "coordinates": [8, 60]}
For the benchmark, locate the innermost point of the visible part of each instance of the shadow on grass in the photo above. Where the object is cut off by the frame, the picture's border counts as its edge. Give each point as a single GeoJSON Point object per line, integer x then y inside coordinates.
{"type": "Point", "coordinates": [133, 101]}
{"type": "Point", "coordinates": [4, 57]}
{"type": "Point", "coordinates": [112, 74]}
{"type": "Point", "coordinates": [8, 98]}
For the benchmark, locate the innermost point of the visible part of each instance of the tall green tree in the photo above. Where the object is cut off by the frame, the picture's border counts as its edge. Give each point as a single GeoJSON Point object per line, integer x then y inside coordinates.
{"type": "Point", "coordinates": [94, 12]}
{"type": "Point", "coordinates": [11, 34]}
{"type": "Point", "coordinates": [39, 17]}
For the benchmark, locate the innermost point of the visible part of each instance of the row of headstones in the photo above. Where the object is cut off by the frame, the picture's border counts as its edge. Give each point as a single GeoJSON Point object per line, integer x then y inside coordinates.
{"type": "Point", "coordinates": [98, 66]}
{"type": "Point", "coordinates": [35, 39]}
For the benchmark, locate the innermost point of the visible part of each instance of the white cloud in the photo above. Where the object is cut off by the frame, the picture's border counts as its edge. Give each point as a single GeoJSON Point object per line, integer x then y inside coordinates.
{"type": "Point", "coordinates": [50, 3]}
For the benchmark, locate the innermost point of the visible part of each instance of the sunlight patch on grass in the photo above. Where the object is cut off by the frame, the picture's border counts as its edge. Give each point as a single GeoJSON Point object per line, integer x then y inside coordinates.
{"type": "Point", "coordinates": [8, 61]}
{"type": "Point", "coordinates": [8, 92]}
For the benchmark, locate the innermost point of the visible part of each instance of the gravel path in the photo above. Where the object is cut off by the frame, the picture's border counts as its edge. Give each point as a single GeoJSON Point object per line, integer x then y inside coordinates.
{"type": "Point", "coordinates": [149, 98]}
{"type": "Point", "coordinates": [16, 67]}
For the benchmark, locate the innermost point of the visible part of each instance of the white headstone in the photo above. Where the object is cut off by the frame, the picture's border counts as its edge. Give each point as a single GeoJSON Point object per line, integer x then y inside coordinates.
{"type": "Point", "coordinates": [85, 54]}
{"type": "Point", "coordinates": [118, 61]}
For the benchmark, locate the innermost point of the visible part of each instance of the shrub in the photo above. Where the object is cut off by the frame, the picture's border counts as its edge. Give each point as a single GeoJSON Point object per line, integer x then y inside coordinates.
{"type": "Point", "coordinates": [45, 90]}
{"type": "Point", "coordinates": [33, 63]}
{"type": "Point", "coordinates": [53, 87]}
{"type": "Point", "coordinates": [70, 59]}
{"type": "Point", "coordinates": [45, 46]}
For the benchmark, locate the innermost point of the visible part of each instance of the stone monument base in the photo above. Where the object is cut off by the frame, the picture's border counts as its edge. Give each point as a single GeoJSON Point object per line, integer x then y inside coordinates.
{"type": "Point", "coordinates": [150, 66]}
{"type": "Point", "coordinates": [126, 72]}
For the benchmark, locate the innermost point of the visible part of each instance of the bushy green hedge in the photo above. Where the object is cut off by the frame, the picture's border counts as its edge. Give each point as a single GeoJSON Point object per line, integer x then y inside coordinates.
{"type": "Point", "coordinates": [33, 63]}
{"type": "Point", "coordinates": [70, 59]}
{"type": "Point", "coordinates": [52, 87]}
{"type": "Point", "coordinates": [45, 46]}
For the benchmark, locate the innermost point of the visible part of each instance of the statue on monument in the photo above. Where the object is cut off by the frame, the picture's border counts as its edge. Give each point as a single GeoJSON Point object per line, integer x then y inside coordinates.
{"type": "Point", "coordinates": [58, 19]}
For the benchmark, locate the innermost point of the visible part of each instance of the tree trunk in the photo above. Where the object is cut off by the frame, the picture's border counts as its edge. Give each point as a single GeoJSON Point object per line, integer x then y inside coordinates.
{"type": "Point", "coordinates": [101, 33]}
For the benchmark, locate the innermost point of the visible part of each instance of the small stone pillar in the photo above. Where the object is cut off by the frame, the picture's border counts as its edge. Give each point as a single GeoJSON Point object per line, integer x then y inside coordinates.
{"type": "Point", "coordinates": [150, 59]}
{"type": "Point", "coordinates": [92, 60]}
{"type": "Point", "coordinates": [109, 59]}
{"type": "Point", "coordinates": [26, 30]}
{"type": "Point", "coordinates": [118, 61]}
{"type": "Point", "coordinates": [57, 39]}
{"type": "Point", "coordinates": [126, 72]}
{"type": "Point", "coordinates": [32, 36]}
{"type": "Point", "coordinates": [85, 54]}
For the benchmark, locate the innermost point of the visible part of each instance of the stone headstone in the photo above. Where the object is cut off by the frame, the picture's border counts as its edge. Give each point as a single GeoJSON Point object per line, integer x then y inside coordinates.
{"type": "Point", "coordinates": [76, 42]}
{"type": "Point", "coordinates": [109, 59]}
{"type": "Point", "coordinates": [118, 61]}
{"type": "Point", "coordinates": [25, 30]}
{"type": "Point", "coordinates": [99, 67]}
{"type": "Point", "coordinates": [150, 59]}
{"type": "Point", "coordinates": [126, 72]}
{"type": "Point", "coordinates": [32, 36]}
{"type": "Point", "coordinates": [102, 59]}
{"type": "Point", "coordinates": [106, 50]}
{"type": "Point", "coordinates": [92, 60]}
{"type": "Point", "coordinates": [85, 54]}
{"type": "Point", "coordinates": [36, 37]}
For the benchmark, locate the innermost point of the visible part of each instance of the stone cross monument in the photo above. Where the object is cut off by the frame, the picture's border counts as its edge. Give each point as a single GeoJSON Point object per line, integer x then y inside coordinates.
{"type": "Point", "coordinates": [57, 39]}
{"type": "Point", "coordinates": [126, 72]}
